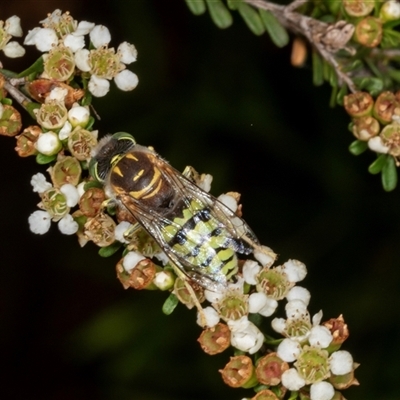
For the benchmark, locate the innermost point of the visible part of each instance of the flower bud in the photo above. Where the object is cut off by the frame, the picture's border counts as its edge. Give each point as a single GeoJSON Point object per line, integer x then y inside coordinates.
{"type": "Point", "coordinates": [48, 143]}
{"type": "Point", "coordinates": [338, 328]}
{"type": "Point", "coordinates": [26, 141]}
{"type": "Point", "coordinates": [386, 107]}
{"type": "Point", "coordinates": [358, 104]}
{"type": "Point", "coordinates": [239, 372]}
{"type": "Point", "coordinates": [78, 116]}
{"type": "Point", "coordinates": [266, 394]}
{"type": "Point", "coordinates": [66, 170]}
{"type": "Point", "coordinates": [10, 121]}
{"type": "Point", "coordinates": [100, 230]}
{"type": "Point", "coordinates": [269, 369]}
{"type": "Point", "coordinates": [164, 280]}
{"type": "Point", "coordinates": [216, 339]}
{"type": "Point", "coordinates": [390, 11]}
{"type": "Point", "coordinates": [364, 128]}
{"type": "Point", "coordinates": [358, 8]}
{"type": "Point", "coordinates": [391, 138]}
{"type": "Point", "coordinates": [369, 31]}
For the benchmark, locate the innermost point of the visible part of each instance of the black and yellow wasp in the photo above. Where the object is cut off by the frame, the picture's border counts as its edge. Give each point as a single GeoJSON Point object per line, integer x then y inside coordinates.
{"type": "Point", "coordinates": [198, 233]}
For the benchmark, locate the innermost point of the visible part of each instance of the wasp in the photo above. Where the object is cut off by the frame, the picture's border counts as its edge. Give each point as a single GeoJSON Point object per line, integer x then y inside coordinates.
{"type": "Point", "coordinates": [201, 236]}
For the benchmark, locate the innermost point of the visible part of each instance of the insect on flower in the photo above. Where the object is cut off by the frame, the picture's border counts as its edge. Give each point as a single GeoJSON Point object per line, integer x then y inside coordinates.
{"type": "Point", "coordinates": [200, 235]}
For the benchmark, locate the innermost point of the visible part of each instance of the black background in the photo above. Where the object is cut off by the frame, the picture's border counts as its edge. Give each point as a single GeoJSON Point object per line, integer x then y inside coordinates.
{"type": "Point", "coordinates": [230, 104]}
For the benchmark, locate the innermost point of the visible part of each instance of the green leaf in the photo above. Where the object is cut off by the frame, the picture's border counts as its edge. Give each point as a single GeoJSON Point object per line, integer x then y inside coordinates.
{"type": "Point", "coordinates": [219, 13]}
{"type": "Point", "coordinates": [372, 85]}
{"type": "Point", "coordinates": [170, 304]}
{"type": "Point", "coordinates": [233, 4]}
{"type": "Point", "coordinates": [43, 159]}
{"type": "Point", "coordinates": [318, 71]}
{"type": "Point", "coordinates": [276, 31]}
{"type": "Point", "coordinates": [358, 147]}
{"type": "Point", "coordinates": [35, 68]}
{"type": "Point", "coordinates": [377, 165]}
{"type": "Point", "coordinates": [90, 123]}
{"type": "Point", "coordinates": [92, 184]}
{"type": "Point", "coordinates": [197, 7]}
{"type": "Point", "coordinates": [30, 107]}
{"type": "Point", "coordinates": [110, 250]}
{"type": "Point", "coordinates": [341, 94]}
{"type": "Point", "coordinates": [389, 175]}
{"type": "Point", "coordinates": [252, 18]}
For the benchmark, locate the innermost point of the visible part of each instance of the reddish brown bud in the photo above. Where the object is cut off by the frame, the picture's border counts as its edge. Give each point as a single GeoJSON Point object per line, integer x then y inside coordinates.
{"type": "Point", "coordinates": [91, 201]}
{"type": "Point", "coordinates": [239, 372]}
{"type": "Point", "coordinates": [387, 106]}
{"type": "Point", "coordinates": [338, 328]}
{"type": "Point", "coordinates": [358, 104]}
{"type": "Point", "coordinates": [10, 121]}
{"type": "Point", "coordinates": [369, 32]}
{"type": "Point", "coordinates": [216, 339]}
{"type": "Point", "coordinates": [26, 141]}
{"type": "Point", "coordinates": [265, 395]}
{"type": "Point", "coordinates": [270, 368]}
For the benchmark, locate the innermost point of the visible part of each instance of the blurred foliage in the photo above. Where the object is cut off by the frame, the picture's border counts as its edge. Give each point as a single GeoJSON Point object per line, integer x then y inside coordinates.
{"type": "Point", "coordinates": [229, 104]}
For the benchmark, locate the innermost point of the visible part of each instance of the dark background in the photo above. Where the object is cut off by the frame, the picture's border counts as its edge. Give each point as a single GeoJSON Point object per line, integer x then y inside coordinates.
{"type": "Point", "coordinates": [230, 104]}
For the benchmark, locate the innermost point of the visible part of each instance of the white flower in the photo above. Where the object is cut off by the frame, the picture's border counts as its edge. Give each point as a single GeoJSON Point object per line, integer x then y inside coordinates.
{"type": "Point", "coordinates": [13, 26]}
{"type": "Point", "coordinates": [229, 201]}
{"type": "Point", "coordinates": [71, 194]}
{"type": "Point", "coordinates": [288, 350]}
{"type": "Point", "coordinates": [48, 143]}
{"type": "Point", "coordinates": [279, 325]}
{"type": "Point", "coordinates": [295, 270]}
{"type": "Point", "coordinates": [99, 87]}
{"type": "Point", "coordinates": [39, 222]}
{"type": "Point", "coordinates": [13, 50]}
{"type": "Point", "coordinates": [376, 144]}
{"type": "Point", "coordinates": [100, 36]}
{"type": "Point", "coordinates": [320, 336]}
{"type": "Point", "coordinates": [390, 10]}
{"type": "Point", "coordinates": [245, 336]}
{"type": "Point", "coordinates": [161, 256]}
{"type": "Point", "coordinates": [81, 189]}
{"type": "Point", "coordinates": [74, 42]}
{"type": "Point", "coordinates": [321, 391]}
{"type": "Point", "coordinates": [43, 38]}
{"type": "Point", "coordinates": [126, 80]}
{"type": "Point", "coordinates": [53, 18]}
{"type": "Point", "coordinates": [65, 131]}
{"type": "Point", "coordinates": [211, 317]}
{"type": "Point", "coordinates": [261, 304]}
{"type": "Point", "coordinates": [67, 225]}
{"type": "Point", "coordinates": [250, 271]}
{"type": "Point", "coordinates": [264, 257]}
{"type": "Point", "coordinates": [82, 60]}
{"type": "Point", "coordinates": [58, 94]}
{"type": "Point", "coordinates": [296, 309]}
{"type": "Point", "coordinates": [39, 183]}
{"type": "Point", "coordinates": [78, 115]}
{"type": "Point", "coordinates": [83, 28]}
{"type": "Point", "coordinates": [299, 293]}
{"type": "Point", "coordinates": [292, 380]}
{"type": "Point", "coordinates": [341, 362]}
{"type": "Point", "coordinates": [128, 52]}
{"type": "Point", "coordinates": [131, 260]}
{"type": "Point", "coordinates": [120, 229]}
{"type": "Point", "coordinates": [163, 280]}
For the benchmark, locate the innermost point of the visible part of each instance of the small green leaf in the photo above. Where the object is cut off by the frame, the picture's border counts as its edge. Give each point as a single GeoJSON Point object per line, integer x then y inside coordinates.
{"type": "Point", "coordinates": [318, 71]}
{"type": "Point", "coordinates": [233, 4]}
{"type": "Point", "coordinates": [389, 175]}
{"type": "Point", "coordinates": [276, 31]}
{"type": "Point", "coordinates": [43, 159]}
{"type": "Point", "coordinates": [90, 123]}
{"type": "Point", "coordinates": [358, 147]}
{"type": "Point", "coordinates": [219, 13]}
{"type": "Point", "coordinates": [341, 94]}
{"type": "Point", "coordinates": [110, 250]}
{"type": "Point", "coordinates": [252, 18]}
{"type": "Point", "coordinates": [91, 184]}
{"type": "Point", "coordinates": [30, 107]}
{"type": "Point", "coordinates": [197, 7]}
{"type": "Point", "coordinates": [35, 68]}
{"type": "Point", "coordinates": [6, 101]}
{"type": "Point", "coordinates": [372, 85]}
{"type": "Point", "coordinates": [377, 165]}
{"type": "Point", "coordinates": [170, 304]}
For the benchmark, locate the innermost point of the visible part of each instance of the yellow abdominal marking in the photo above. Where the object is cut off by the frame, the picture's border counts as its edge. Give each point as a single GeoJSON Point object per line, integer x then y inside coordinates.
{"type": "Point", "coordinates": [138, 175]}
{"type": "Point", "coordinates": [148, 189]}
{"type": "Point", "coordinates": [154, 191]}
{"type": "Point", "coordinates": [130, 156]}
{"type": "Point", "coordinates": [118, 171]}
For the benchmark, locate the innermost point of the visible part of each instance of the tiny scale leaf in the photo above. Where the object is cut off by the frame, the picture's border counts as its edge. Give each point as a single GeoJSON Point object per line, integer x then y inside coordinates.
{"type": "Point", "coordinates": [276, 31]}
{"type": "Point", "coordinates": [170, 304]}
{"type": "Point", "coordinates": [389, 175]}
{"type": "Point", "coordinates": [219, 13]}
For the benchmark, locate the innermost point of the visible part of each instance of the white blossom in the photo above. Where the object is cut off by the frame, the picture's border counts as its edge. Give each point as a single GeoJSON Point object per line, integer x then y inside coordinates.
{"type": "Point", "coordinates": [299, 293]}
{"type": "Point", "coordinates": [320, 336]}
{"type": "Point", "coordinates": [78, 115]}
{"type": "Point", "coordinates": [120, 229]}
{"type": "Point", "coordinates": [99, 87]}
{"type": "Point", "coordinates": [131, 260]}
{"type": "Point", "coordinates": [13, 50]}
{"type": "Point", "coordinates": [43, 38]}
{"type": "Point", "coordinates": [245, 336]}
{"type": "Point", "coordinates": [163, 280]}
{"type": "Point", "coordinates": [71, 194]}
{"type": "Point", "coordinates": [211, 317]}
{"type": "Point", "coordinates": [67, 225]}
{"type": "Point", "coordinates": [100, 36]}
{"type": "Point", "coordinates": [82, 60]}
{"type": "Point", "coordinates": [83, 28]}
{"type": "Point", "coordinates": [126, 80]}
{"type": "Point", "coordinates": [250, 271]}
{"type": "Point", "coordinates": [261, 304]}
{"type": "Point", "coordinates": [341, 362]}
{"type": "Point", "coordinates": [279, 325]}
{"type": "Point", "coordinates": [288, 350]}
{"type": "Point", "coordinates": [321, 391]}
{"type": "Point", "coordinates": [74, 42]}
{"type": "Point", "coordinates": [13, 26]}
{"type": "Point", "coordinates": [128, 52]}
{"type": "Point", "coordinates": [295, 270]}
{"type": "Point", "coordinates": [376, 144]}
{"type": "Point", "coordinates": [161, 256]}
{"type": "Point", "coordinates": [292, 380]}
{"type": "Point", "coordinates": [266, 260]}
{"type": "Point", "coordinates": [39, 222]}
{"type": "Point", "coordinates": [48, 143]}
{"type": "Point", "coordinates": [65, 131]}
{"type": "Point", "coordinates": [39, 183]}
{"type": "Point", "coordinates": [296, 309]}
{"type": "Point", "coordinates": [229, 201]}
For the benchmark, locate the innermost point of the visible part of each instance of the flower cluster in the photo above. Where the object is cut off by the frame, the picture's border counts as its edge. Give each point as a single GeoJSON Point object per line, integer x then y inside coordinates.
{"type": "Point", "coordinates": [306, 360]}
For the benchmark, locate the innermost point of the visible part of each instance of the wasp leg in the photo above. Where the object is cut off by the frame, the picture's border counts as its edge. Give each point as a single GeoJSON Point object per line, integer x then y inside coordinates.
{"type": "Point", "coordinates": [192, 293]}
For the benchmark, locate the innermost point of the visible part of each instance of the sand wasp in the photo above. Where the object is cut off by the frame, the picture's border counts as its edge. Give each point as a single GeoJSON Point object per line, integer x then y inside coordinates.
{"type": "Point", "coordinates": [198, 233]}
